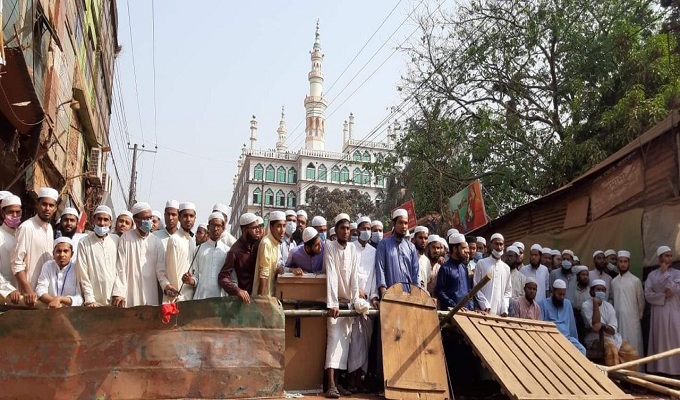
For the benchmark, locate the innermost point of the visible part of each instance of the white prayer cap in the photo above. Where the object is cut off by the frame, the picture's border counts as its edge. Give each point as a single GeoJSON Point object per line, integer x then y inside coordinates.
{"type": "Point", "coordinates": [481, 240]}
{"type": "Point", "coordinates": [172, 204]}
{"type": "Point", "coordinates": [451, 231]}
{"type": "Point", "coordinates": [331, 231]}
{"type": "Point", "coordinates": [598, 282]}
{"type": "Point", "coordinates": [302, 213]}
{"type": "Point", "coordinates": [421, 229]}
{"type": "Point", "coordinates": [290, 213]}
{"type": "Point", "coordinates": [187, 206]}
{"type": "Point", "coordinates": [308, 234]}
{"type": "Point", "coordinates": [71, 211]}
{"type": "Point", "coordinates": [530, 280]}
{"type": "Point", "coordinates": [578, 269]}
{"type": "Point", "coordinates": [597, 253]}
{"type": "Point", "coordinates": [353, 225]}
{"type": "Point", "coordinates": [338, 218]}
{"type": "Point", "coordinates": [546, 250]}
{"type": "Point", "coordinates": [10, 200]}
{"type": "Point", "coordinates": [220, 207]}
{"type": "Point", "coordinates": [497, 236]}
{"type": "Point", "coordinates": [259, 220]}
{"type": "Point", "coordinates": [663, 249]}
{"type": "Point", "coordinates": [319, 221]}
{"type": "Point", "coordinates": [513, 249]}
{"type": "Point", "coordinates": [559, 284]}
{"type": "Point", "coordinates": [4, 193]}
{"type": "Point", "coordinates": [126, 214]}
{"type": "Point", "coordinates": [443, 242]}
{"type": "Point", "coordinates": [623, 253]}
{"type": "Point", "coordinates": [49, 193]}
{"type": "Point", "coordinates": [377, 223]}
{"type": "Point", "coordinates": [216, 215]}
{"type": "Point", "coordinates": [140, 207]}
{"type": "Point", "coordinates": [363, 220]}
{"type": "Point", "coordinates": [456, 239]}
{"type": "Point", "coordinates": [63, 239]}
{"type": "Point", "coordinates": [555, 253]}
{"type": "Point", "coordinates": [399, 212]}
{"type": "Point", "coordinates": [519, 245]}
{"type": "Point", "coordinates": [432, 239]}
{"type": "Point", "coordinates": [576, 259]}
{"type": "Point", "coordinates": [277, 216]}
{"type": "Point", "coordinates": [610, 252]}
{"type": "Point", "coordinates": [103, 210]}
{"type": "Point", "coordinates": [157, 214]}
{"type": "Point", "coordinates": [571, 253]}
{"type": "Point", "coordinates": [537, 247]}
{"type": "Point", "coordinates": [247, 219]}
{"type": "Point", "coordinates": [204, 226]}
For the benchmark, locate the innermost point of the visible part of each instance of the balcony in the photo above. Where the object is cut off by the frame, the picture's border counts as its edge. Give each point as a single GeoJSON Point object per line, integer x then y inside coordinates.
{"type": "Point", "coordinates": [372, 145]}
{"type": "Point", "coordinates": [324, 154]}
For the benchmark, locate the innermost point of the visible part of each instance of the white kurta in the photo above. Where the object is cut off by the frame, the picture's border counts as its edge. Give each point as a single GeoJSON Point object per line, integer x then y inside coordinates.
{"type": "Point", "coordinates": [7, 243]}
{"type": "Point", "coordinates": [542, 276]}
{"type": "Point", "coordinates": [228, 239]}
{"type": "Point", "coordinates": [362, 328]}
{"type": "Point", "coordinates": [56, 282]}
{"type": "Point", "coordinates": [178, 256]}
{"type": "Point", "coordinates": [629, 303]}
{"type": "Point", "coordinates": [96, 267]}
{"type": "Point", "coordinates": [140, 268]}
{"type": "Point", "coordinates": [518, 280]}
{"type": "Point", "coordinates": [607, 317]}
{"type": "Point", "coordinates": [342, 283]}
{"type": "Point", "coordinates": [33, 248]}
{"type": "Point", "coordinates": [424, 270]}
{"type": "Point", "coordinates": [209, 262]}
{"type": "Point", "coordinates": [495, 295]}
{"type": "Point", "coordinates": [75, 240]}
{"type": "Point", "coordinates": [164, 236]}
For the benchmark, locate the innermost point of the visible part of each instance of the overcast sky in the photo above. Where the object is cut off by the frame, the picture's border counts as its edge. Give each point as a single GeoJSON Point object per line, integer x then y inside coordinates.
{"type": "Point", "coordinates": [217, 63]}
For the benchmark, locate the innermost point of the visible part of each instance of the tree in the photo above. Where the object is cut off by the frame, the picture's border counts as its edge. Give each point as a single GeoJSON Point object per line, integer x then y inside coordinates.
{"type": "Point", "coordinates": [329, 204]}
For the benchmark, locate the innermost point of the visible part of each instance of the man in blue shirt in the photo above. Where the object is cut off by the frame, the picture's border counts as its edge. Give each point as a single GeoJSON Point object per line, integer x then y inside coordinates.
{"type": "Point", "coordinates": [396, 259]}
{"type": "Point", "coordinates": [307, 257]}
{"type": "Point", "coordinates": [558, 309]}
{"type": "Point", "coordinates": [452, 279]}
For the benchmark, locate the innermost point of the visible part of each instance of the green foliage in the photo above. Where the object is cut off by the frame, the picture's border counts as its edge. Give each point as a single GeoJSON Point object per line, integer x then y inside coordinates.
{"type": "Point", "coordinates": [329, 204]}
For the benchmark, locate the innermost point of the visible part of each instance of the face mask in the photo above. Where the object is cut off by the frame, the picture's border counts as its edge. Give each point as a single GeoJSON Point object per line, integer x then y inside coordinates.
{"type": "Point", "coordinates": [146, 225]}
{"type": "Point", "coordinates": [376, 236]}
{"type": "Point", "coordinates": [365, 235]}
{"type": "Point", "coordinates": [12, 222]}
{"type": "Point", "coordinates": [353, 238]}
{"type": "Point", "coordinates": [290, 227]}
{"type": "Point", "coordinates": [611, 267]}
{"type": "Point", "coordinates": [497, 254]}
{"type": "Point", "coordinates": [601, 295]}
{"type": "Point", "coordinates": [322, 235]}
{"type": "Point", "coordinates": [478, 256]}
{"type": "Point", "coordinates": [101, 230]}
{"type": "Point", "coordinates": [566, 265]}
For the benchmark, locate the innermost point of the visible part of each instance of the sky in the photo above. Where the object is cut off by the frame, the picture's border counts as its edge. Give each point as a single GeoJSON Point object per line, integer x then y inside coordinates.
{"type": "Point", "coordinates": [218, 63]}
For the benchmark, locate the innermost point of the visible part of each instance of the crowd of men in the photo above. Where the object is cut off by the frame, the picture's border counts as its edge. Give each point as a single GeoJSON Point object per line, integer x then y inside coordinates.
{"type": "Point", "coordinates": [145, 257]}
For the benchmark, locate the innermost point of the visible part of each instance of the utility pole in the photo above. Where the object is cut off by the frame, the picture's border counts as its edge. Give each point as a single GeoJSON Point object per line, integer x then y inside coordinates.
{"type": "Point", "coordinates": [133, 174]}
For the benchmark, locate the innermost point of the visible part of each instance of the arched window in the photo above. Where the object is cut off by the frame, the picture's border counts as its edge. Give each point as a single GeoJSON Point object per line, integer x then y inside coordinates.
{"type": "Point", "coordinates": [366, 178]}
{"type": "Point", "coordinates": [269, 197]}
{"type": "Point", "coordinates": [367, 156]}
{"type": "Point", "coordinates": [322, 173]}
{"type": "Point", "coordinates": [356, 175]}
{"type": "Point", "coordinates": [310, 172]}
{"type": "Point", "coordinates": [357, 156]}
{"type": "Point", "coordinates": [269, 173]}
{"type": "Point", "coordinates": [257, 196]}
{"type": "Point", "coordinates": [344, 175]}
{"type": "Point", "coordinates": [292, 175]}
{"type": "Point", "coordinates": [259, 172]}
{"type": "Point", "coordinates": [335, 175]}
{"type": "Point", "coordinates": [379, 181]}
{"type": "Point", "coordinates": [266, 219]}
{"type": "Point", "coordinates": [292, 199]}
{"type": "Point", "coordinates": [281, 175]}
{"type": "Point", "coordinates": [280, 199]}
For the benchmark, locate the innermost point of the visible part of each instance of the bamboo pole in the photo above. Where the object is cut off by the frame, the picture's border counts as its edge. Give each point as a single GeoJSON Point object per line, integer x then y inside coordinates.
{"type": "Point", "coordinates": [324, 313]}
{"type": "Point", "coordinates": [649, 377]}
{"type": "Point", "coordinates": [643, 360]}
{"type": "Point", "coordinates": [465, 299]}
{"type": "Point", "coordinates": [647, 385]}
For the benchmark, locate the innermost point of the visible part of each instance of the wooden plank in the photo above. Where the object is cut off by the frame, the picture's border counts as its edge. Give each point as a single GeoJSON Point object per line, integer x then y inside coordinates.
{"type": "Point", "coordinates": [479, 316]}
{"type": "Point", "coordinates": [397, 294]}
{"type": "Point", "coordinates": [415, 385]}
{"type": "Point", "coordinates": [579, 397]}
{"type": "Point", "coordinates": [518, 328]}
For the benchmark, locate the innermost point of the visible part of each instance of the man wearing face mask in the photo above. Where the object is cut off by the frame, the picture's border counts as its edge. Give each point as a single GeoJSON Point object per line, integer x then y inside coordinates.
{"type": "Point", "coordinates": [565, 273]}
{"type": "Point", "coordinates": [140, 266]}
{"type": "Point", "coordinates": [600, 271]}
{"type": "Point", "coordinates": [171, 217]}
{"type": "Point", "coordinates": [420, 235]}
{"type": "Point", "coordinates": [599, 315]}
{"type": "Point", "coordinates": [538, 271]}
{"type": "Point", "coordinates": [96, 264]}
{"type": "Point", "coordinates": [287, 242]}
{"type": "Point", "coordinates": [494, 297]}
{"type": "Point", "coordinates": [11, 212]}
{"type": "Point", "coordinates": [610, 258]}
{"type": "Point", "coordinates": [376, 233]}
{"type": "Point", "coordinates": [558, 309]}
{"type": "Point", "coordinates": [319, 223]}
{"type": "Point", "coordinates": [481, 249]}
{"type": "Point", "coordinates": [241, 257]}
{"type": "Point", "coordinates": [181, 251]}
{"type": "Point", "coordinates": [353, 232]}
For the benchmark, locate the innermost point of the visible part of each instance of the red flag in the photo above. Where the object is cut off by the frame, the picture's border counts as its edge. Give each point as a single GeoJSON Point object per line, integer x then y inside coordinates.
{"type": "Point", "coordinates": [167, 311]}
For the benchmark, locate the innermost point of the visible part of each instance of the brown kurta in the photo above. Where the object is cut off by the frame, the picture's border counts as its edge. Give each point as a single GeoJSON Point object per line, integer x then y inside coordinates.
{"type": "Point", "coordinates": [240, 259]}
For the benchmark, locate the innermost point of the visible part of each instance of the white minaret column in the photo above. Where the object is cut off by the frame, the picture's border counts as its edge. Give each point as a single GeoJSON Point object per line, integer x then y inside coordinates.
{"type": "Point", "coordinates": [389, 135]}
{"type": "Point", "coordinates": [253, 132]}
{"type": "Point", "coordinates": [315, 104]}
{"type": "Point", "coordinates": [281, 144]}
{"type": "Point", "coordinates": [345, 133]}
{"type": "Point", "coordinates": [351, 124]}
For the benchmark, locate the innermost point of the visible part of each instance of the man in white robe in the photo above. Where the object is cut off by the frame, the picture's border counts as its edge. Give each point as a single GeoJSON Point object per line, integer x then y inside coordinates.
{"type": "Point", "coordinates": [34, 245]}
{"type": "Point", "coordinates": [287, 242]}
{"type": "Point", "coordinates": [96, 263]}
{"type": "Point", "coordinates": [629, 302]}
{"type": "Point", "coordinates": [420, 235]}
{"type": "Point", "coordinates": [182, 251]}
{"type": "Point", "coordinates": [494, 297]}
{"type": "Point", "coordinates": [341, 262]}
{"type": "Point", "coordinates": [209, 261]}
{"type": "Point", "coordinates": [538, 271]}
{"type": "Point", "coordinates": [68, 227]}
{"type": "Point", "coordinates": [58, 284]}
{"type": "Point", "coordinates": [140, 266]}
{"type": "Point", "coordinates": [124, 223]}
{"type": "Point", "coordinates": [601, 271]}
{"type": "Point", "coordinates": [227, 237]}
{"type": "Point", "coordinates": [517, 278]}
{"type": "Point", "coordinates": [11, 213]}
{"type": "Point", "coordinates": [171, 218]}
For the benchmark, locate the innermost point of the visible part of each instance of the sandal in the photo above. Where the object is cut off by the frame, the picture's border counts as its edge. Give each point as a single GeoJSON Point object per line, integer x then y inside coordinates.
{"type": "Point", "coordinates": [343, 391]}
{"type": "Point", "coordinates": [332, 393]}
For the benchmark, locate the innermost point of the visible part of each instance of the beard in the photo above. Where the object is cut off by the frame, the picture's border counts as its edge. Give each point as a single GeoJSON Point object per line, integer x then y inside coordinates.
{"type": "Point", "coordinates": [557, 303]}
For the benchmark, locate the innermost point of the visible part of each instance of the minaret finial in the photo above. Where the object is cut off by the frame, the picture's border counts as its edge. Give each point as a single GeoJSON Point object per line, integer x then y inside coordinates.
{"type": "Point", "coordinates": [281, 143]}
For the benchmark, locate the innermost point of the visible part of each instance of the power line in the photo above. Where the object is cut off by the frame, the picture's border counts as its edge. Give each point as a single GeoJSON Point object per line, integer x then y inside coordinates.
{"type": "Point", "coordinates": [155, 114]}
{"type": "Point", "coordinates": [134, 69]}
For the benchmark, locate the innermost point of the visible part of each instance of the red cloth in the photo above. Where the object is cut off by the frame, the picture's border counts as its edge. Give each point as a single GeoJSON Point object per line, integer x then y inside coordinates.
{"type": "Point", "coordinates": [167, 311]}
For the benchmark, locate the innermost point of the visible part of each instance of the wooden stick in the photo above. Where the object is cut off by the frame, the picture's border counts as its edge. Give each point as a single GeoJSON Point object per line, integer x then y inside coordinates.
{"type": "Point", "coordinates": [643, 360]}
{"type": "Point", "coordinates": [649, 377]}
{"type": "Point", "coordinates": [323, 313]}
{"type": "Point", "coordinates": [465, 299]}
{"type": "Point", "coordinates": [647, 385]}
